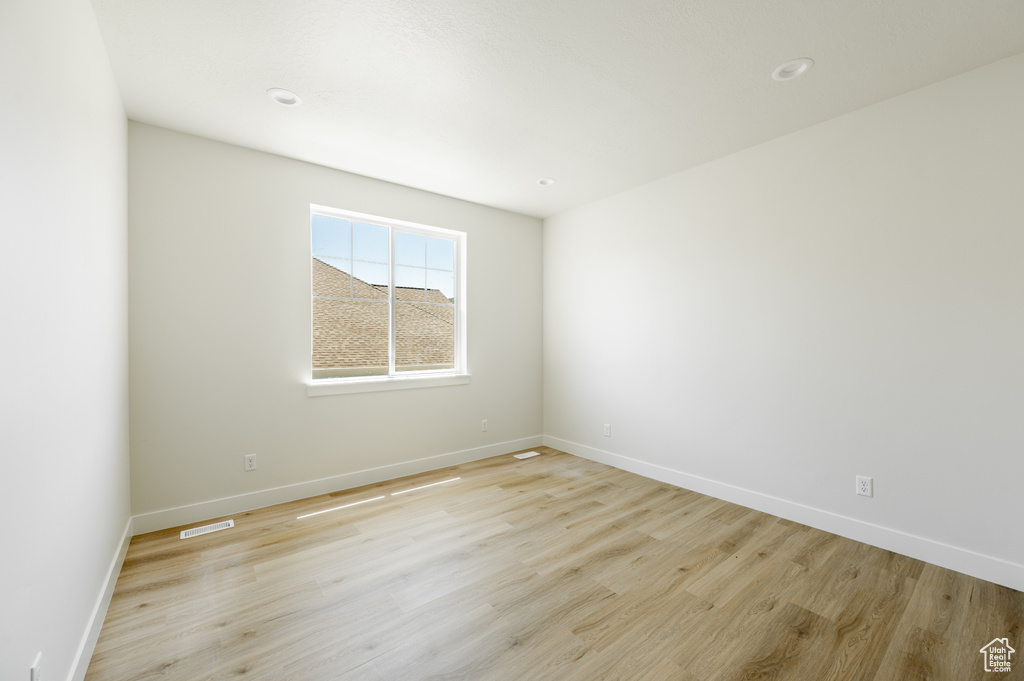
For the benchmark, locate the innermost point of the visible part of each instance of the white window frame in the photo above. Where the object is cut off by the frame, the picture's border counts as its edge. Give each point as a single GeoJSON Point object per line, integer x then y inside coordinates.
{"type": "Point", "coordinates": [459, 375]}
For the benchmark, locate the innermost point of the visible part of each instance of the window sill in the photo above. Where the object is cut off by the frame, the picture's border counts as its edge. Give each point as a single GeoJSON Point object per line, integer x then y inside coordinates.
{"type": "Point", "coordinates": [376, 383]}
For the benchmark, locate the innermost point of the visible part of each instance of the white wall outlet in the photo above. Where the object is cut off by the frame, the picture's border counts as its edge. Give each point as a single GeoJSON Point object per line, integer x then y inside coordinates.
{"type": "Point", "coordinates": [865, 486]}
{"type": "Point", "coordinates": [250, 462]}
{"type": "Point", "coordinates": [607, 430]}
{"type": "Point", "coordinates": [35, 672]}
{"type": "Point", "coordinates": [483, 426]}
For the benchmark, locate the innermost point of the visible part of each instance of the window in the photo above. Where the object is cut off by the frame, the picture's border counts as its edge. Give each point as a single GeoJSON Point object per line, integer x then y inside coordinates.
{"type": "Point", "coordinates": [388, 299]}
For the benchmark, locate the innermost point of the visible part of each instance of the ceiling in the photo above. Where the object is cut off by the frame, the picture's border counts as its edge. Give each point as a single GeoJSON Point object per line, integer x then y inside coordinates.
{"type": "Point", "coordinates": [477, 99]}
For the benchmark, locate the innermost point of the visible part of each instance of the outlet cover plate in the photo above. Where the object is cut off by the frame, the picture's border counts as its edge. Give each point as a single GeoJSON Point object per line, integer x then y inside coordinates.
{"type": "Point", "coordinates": [865, 486]}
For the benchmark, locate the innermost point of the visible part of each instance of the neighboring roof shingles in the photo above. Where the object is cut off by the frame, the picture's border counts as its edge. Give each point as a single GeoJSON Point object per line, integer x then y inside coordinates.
{"type": "Point", "coordinates": [354, 333]}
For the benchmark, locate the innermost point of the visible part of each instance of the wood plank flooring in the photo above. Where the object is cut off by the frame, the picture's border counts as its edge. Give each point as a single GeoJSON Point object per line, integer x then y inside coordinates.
{"type": "Point", "coordinates": [552, 568]}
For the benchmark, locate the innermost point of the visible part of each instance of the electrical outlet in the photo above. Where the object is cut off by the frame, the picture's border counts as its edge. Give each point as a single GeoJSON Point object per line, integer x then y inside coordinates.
{"type": "Point", "coordinates": [35, 673]}
{"type": "Point", "coordinates": [865, 486]}
{"type": "Point", "coordinates": [607, 430]}
{"type": "Point", "coordinates": [483, 426]}
{"type": "Point", "coordinates": [250, 462]}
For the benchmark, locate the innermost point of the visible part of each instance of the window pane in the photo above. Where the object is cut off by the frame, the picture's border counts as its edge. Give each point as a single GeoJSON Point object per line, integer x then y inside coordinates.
{"type": "Point", "coordinates": [350, 338]}
{"type": "Point", "coordinates": [424, 337]}
{"type": "Point", "coordinates": [332, 278]}
{"type": "Point", "coordinates": [410, 249]}
{"type": "Point", "coordinates": [371, 280]}
{"type": "Point", "coordinates": [440, 254]}
{"type": "Point", "coordinates": [441, 287]}
{"type": "Point", "coordinates": [409, 283]}
{"type": "Point", "coordinates": [332, 237]}
{"type": "Point", "coordinates": [370, 243]}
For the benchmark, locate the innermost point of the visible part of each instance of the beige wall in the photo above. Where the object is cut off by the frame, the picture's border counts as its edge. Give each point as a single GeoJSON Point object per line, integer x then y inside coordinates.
{"type": "Point", "coordinates": [220, 330]}
{"type": "Point", "coordinates": [845, 300]}
{"type": "Point", "coordinates": [63, 348]}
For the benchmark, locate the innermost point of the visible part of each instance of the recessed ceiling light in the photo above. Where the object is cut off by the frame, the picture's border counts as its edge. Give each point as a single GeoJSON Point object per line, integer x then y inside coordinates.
{"type": "Point", "coordinates": [793, 69]}
{"type": "Point", "coordinates": [545, 182]}
{"type": "Point", "coordinates": [284, 97]}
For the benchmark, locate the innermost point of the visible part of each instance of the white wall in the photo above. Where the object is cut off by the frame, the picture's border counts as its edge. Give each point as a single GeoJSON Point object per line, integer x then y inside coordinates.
{"type": "Point", "coordinates": [845, 300]}
{"type": "Point", "coordinates": [63, 349]}
{"type": "Point", "coordinates": [220, 334]}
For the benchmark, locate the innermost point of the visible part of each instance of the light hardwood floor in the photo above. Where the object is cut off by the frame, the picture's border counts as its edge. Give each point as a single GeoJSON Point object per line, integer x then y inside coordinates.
{"type": "Point", "coordinates": [552, 568]}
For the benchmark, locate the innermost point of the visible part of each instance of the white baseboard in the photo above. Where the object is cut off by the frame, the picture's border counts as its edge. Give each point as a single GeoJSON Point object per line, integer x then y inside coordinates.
{"type": "Point", "coordinates": [183, 515]}
{"type": "Point", "coordinates": [99, 610]}
{"type": "Point", "coordinates": [978, 565]}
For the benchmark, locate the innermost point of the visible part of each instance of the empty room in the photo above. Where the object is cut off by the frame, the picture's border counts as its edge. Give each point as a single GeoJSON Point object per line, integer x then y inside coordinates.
{"type": "Point", "coordinates": [552, 341]}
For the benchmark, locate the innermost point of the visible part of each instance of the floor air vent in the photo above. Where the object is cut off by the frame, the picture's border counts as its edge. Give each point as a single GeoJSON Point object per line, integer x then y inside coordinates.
{"type": "Point", "coordinates": [527, 455]}
{"type": "Point", "coordinates": [206, 529]}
